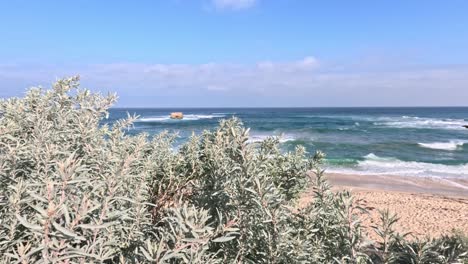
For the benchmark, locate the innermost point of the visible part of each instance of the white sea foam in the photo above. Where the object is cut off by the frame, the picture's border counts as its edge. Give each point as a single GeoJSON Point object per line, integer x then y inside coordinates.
{"type": "Point", "coordinates": [375, 165]}
{"type": "Point", "coordinates": [163, 118]}
{"type": "Point", "coordinates": [153, 119]}
{"type": "Point", "coordinates": [197, 117]}
{"type": "Point", "coordinates": [404, 121]}
{"type": "Point", "coordinates": [260, 137]}
{"type": "Point", "coordinates": [451, 145]}
{"type": "Point", "coordinates": [422, 122]}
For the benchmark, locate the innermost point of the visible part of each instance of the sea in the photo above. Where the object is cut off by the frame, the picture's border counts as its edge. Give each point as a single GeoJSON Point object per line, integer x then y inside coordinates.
{"type": "Point", "coordinates": [416, 141]}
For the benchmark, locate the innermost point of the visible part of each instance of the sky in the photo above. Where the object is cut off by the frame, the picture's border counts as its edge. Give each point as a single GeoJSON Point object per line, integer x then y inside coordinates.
{"type": "Point", "coordinates": [241, 53]}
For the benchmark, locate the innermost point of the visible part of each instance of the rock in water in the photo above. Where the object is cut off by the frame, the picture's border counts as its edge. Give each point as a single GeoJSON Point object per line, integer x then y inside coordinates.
{"type": "Point", "coordinates": [177, 115]}
{"type": "Point", "coordinates": [465, 126]}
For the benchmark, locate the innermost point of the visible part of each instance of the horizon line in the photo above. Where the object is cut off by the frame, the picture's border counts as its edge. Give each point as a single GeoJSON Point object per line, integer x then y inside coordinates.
{"type": "Point", "coordinates": [278, 107]}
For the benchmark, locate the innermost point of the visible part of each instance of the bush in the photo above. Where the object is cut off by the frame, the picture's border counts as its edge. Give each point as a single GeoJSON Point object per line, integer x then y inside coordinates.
{"type": "Point", "coordinates": [73, 190]}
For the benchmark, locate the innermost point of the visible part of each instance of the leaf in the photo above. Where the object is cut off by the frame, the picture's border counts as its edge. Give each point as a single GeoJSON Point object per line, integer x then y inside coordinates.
{"type": "Point", "coordinates": [146, 254]}
{"type": "Point", "coordinates": [89, 226]}
{"type": "Point", "coordinates": [25, 223]}
{"type": "Point", "coordinates": [250, 190]}
{"type": "Point", "coordinates": [223, 239]}
{"type": "Point", "coordinates": [84, 254]}
{"type": "Point", "coordinates": [37, 197]}
{"type": "Point", "coordinates": [66, 214]}
{"type": "Point", "coordinates": [193, 240]}
{"type": "Point", "coordinates": [39, 210]}
{"type": "Point", "coordinates": [67, 232]}
{"type": "Point", "coordinates": [231, 229]}
{"type": "Point", "coordinates": [31, 252]}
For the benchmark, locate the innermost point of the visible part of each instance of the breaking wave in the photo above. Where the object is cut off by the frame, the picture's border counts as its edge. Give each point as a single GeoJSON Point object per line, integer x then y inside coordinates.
{"type": "Point", "coordinates": [451, 145]}
{"type": "Point", "coordinates": [259, 138]}
{"type": "Point", "coordinates": [189, 117]}
{"type": "Point", "coordinates": [422, 122]}
{"type": "Point", "coordinates": [375, 165]}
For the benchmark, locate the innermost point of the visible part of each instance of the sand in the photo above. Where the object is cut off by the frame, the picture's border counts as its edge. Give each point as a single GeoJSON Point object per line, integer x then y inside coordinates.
{"type": "Point", "coordinates": [427, 207]}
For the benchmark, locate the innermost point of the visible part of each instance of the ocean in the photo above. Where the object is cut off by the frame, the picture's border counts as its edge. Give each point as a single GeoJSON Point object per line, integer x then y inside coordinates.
{"type": "Point", "coordinates": [427, 142]}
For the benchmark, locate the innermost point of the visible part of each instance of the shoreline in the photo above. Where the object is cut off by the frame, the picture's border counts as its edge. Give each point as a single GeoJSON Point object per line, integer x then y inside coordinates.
{"type": "Point", "coordinates": [453, 187]}
{"type": "Point", "coordinates": [427, 207]}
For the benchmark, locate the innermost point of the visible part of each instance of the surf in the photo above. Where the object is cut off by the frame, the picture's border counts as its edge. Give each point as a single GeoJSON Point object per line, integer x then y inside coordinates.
{"type": "Point", "coordinates": [450, 146]}
{"type": "Point", "coordinates": [189, 117]}
{"type": "Point", "coordinates": [372, 164]}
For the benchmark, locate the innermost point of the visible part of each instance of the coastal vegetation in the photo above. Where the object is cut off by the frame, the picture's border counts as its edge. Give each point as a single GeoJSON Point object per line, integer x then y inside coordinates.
{"type": "Point", "coordinates": [74, 189]}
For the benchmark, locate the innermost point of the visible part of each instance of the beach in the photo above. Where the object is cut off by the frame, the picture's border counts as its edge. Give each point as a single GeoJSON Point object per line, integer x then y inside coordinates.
{"type": "Point", "coordinates": [412, 161]}
{"type": "Point", "coordinates": [426, 206]}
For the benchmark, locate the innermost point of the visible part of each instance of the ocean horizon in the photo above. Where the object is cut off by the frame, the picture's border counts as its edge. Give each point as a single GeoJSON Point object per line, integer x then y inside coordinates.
{"type": "Point", "coordinates": [404, 141]}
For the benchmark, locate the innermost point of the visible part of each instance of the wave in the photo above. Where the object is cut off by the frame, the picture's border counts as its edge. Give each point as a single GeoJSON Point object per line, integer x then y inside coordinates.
{"type": "Point", "coordinates": [401, 121]}
{"type": "Point", "coordinates": [422, 122]}
{"type": "Point", "coordinates": [375, 165]}
{"type": "Point", "coordinates": [451, 145]}
{"type": "Point", "coordinates": [189, 117]}
{"type": "Point", "coordinates": [259, 138]}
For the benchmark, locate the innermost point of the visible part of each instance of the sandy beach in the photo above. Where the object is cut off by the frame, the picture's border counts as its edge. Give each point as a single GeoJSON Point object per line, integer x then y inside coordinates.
{"type": "Point", "coordinates": [427, 207]}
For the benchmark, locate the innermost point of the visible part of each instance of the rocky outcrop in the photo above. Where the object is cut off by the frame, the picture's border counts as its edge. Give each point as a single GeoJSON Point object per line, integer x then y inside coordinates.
{"type": "Point", "coordinates": [177, 115]}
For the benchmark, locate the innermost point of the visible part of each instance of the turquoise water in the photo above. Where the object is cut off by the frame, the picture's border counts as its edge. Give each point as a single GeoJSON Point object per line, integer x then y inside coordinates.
{"type": "Point", "coordinates": [397, 141]}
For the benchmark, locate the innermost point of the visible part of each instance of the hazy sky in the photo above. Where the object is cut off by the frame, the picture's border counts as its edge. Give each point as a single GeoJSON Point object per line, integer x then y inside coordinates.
{"type": "Point", "coordinates": [242, 52]}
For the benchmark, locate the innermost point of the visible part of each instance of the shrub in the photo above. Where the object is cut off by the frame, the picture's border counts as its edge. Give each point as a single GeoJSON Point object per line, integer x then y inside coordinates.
{"type": "Point", "coordinates": [75, 190]}
{"type": "Point", "coordinates": [70, 189]}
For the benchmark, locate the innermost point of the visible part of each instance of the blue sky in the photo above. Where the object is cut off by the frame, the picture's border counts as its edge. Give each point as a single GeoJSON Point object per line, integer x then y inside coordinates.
{"type": "Point", "coordinates": [242, 52]}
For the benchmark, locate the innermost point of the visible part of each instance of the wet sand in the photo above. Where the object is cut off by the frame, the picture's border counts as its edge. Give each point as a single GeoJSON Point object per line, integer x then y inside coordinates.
{"type": "Point", "coordinates": [426, 185]}
{"type": "Point", "coordinates": [427, 207]}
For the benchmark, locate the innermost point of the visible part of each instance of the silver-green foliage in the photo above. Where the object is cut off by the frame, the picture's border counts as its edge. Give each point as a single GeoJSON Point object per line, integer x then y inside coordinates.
{"type": "Point", "coordinates": [71, 190]}
{"type": "Point", "coordinates": [75, 190]}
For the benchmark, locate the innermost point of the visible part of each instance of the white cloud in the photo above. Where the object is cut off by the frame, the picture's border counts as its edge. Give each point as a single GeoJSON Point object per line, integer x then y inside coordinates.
{"type": "Point", "coordinates": [309, 62]}
{"type": "Point", "coordinates": [233, 4]}
{"type": "Point", "coordinates": [219, 88]}
{"type": "Point", "coordinates": [302, 82]}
